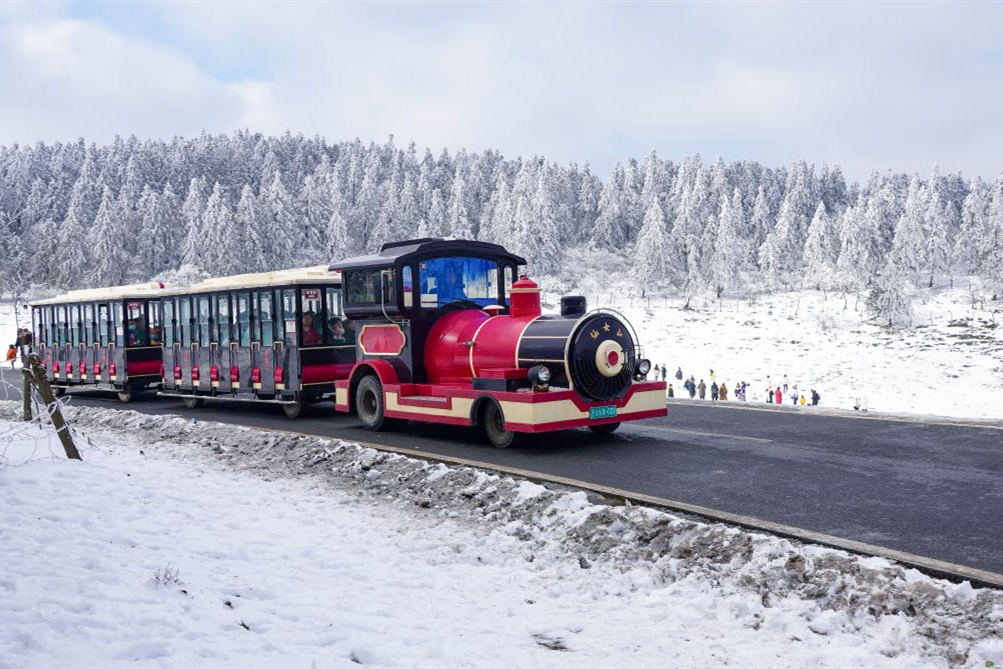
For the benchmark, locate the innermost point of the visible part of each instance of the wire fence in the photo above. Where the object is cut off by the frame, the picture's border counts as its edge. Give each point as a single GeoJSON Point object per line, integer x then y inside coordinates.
{"type": "Point", "coordinates": [23, 441]}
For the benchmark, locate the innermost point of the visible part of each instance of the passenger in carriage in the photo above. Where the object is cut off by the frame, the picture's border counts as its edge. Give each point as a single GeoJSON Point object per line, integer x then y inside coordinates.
{"type": "Point", "coordinates": [155, 337]}
{"type": "Point", "coordinates": [349, 331]}
{"type": "Point", "coordinates": [311, 337]}
{"type": "Point", "coordinates": [137, 334]}
{"type": "Point", "coordinates": [336, 331]}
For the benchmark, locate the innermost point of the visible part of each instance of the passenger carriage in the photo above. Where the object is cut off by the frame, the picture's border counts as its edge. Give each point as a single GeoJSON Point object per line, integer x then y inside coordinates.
{"type": "Point", "coordinates": [273, 337]}
{"type": "Point", "coordinates": [106, 338]}
{"type": "Point", "coordinates": [449, 333]}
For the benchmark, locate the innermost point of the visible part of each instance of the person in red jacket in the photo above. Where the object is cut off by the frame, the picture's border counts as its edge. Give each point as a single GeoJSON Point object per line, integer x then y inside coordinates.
{"type": "Point", "coordinates": [777, 396]}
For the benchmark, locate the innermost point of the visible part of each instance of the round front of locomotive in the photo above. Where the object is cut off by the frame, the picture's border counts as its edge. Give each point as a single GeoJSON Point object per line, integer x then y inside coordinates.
{"type": "Point", "coordinates": [602, 356]}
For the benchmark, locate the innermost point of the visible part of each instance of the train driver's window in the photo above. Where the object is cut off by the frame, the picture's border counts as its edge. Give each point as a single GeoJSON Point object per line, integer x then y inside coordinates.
{"type": "Point", "coordinates": [311, 323]}
{"type": "Point", "coordinates": [204, 318]}
{"type": "Point", "coordinates": [407, 286]}
{"type": "Point", "coordinates": [508, 281]}
{"type": "Point", "coordinates": [223, 318]}
{"type": "Point", "coordinates": [267, 320]}
{"type": "Point", "coordinates": [289, 316]}
{"type": "Point", "coordinates": [156, 326]}
{"type": "Point", "coordinates": [168, 324]}
{"type": "Point", "coordinates": [243, 316]}
{"type": "Point", "coordinates": [74, 324]}
{"type": "Point", "coordinates": [445, 280]}
{"type": "Point", "coordinates": [116, 321]}
{"type": "Point", "coordinates": [137, 331]}
{"type": "Point", "coordinates": [104, 324]}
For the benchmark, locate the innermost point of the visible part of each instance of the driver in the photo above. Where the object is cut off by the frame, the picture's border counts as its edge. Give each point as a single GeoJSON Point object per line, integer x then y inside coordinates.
{"type": "Point", "coordinates": [451, 289]}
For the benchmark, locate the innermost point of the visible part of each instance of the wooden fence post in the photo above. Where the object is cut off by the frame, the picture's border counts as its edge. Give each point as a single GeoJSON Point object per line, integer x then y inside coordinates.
{"type": "Point", "coordinates": [26, 391]}
{"type": "Point", "coordinates": [55, 414]}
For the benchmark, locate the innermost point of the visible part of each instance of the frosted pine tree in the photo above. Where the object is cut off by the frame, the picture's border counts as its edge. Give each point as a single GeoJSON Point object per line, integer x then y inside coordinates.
{"type": "Point", "coordinates": [340, 243]}
{"type": "Point", "coordinates": [860, 251]}
{"type": "Point", "coordinates": [538, 234]}
{"type": "Point", "coordinates": [727, 253]}
{"type": "Point", "coordinates": [936, 220]}
{"type": "Point", "coordinates": [435, 223]}
{"type": "Point", "coordinates": [151, 252]}
{"type": "Point", "coordinates": [820, 249]}
{"type": "Point", "coordinates": [74, 252]}
{"type": "Point", "coordinates": [224, 252]}
{"type": "Point", "coordinates": [889, 301]}
{"type": "Point", "coordinates": [251, 244]}
{"type": "Point", "coordinates": [974, 226]}
{"type": "Point", "coordinates": [459, 223]}
{"type": "Point", "coordinates": [610, 231]}
{"type": "Point", "coordinates": [111, 260]}
{"type": "Point", "coordinates": [909, 250]}
{"type": "Point", "coordinates": [195, 245]}
{"type": "Point", "coordinates": [280, 223]}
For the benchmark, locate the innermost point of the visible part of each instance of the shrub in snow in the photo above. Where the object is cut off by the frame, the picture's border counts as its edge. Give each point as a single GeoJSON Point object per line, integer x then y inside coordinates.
{"type": "Point", "coordinates": [166, 575]}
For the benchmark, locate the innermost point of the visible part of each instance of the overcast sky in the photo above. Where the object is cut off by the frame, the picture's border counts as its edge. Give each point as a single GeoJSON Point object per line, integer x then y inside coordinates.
{"type": "Point", "coordinates": [892, 85]}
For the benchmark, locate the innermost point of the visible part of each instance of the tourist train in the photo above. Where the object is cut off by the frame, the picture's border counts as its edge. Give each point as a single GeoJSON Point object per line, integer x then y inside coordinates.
{"type": "Point", "coordinates": [433, 330]}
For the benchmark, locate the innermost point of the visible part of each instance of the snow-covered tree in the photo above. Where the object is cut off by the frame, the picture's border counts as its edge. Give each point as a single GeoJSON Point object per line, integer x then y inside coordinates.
{"type": "Point", "coordinates": [820, 249]}
{"type": "Point", "coordinates": [727, 253]}
{"type": "Point", "coordinates": [652, 263]}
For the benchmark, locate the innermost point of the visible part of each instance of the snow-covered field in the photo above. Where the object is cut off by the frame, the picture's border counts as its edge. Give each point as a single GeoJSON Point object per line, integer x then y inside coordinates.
{"type": "Point", "coordinates": [203, 545]}
{"type": "Point", "coordinates": [949, 364]}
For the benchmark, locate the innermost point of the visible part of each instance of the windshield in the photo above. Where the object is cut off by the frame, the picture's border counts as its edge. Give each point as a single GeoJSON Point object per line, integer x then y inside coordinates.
{"type": "Point", "coordinates": [445, 280]}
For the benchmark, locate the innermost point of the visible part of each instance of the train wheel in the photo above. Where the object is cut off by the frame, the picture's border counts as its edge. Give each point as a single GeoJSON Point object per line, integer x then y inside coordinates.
{"type": "Point", "coordinates": [58, 391]}
{"type": "Point", "coordinates": [369, 403]}
{"type": "Point", "coordinates": [293, 410]}
{"type": "Point", "coordinates": [494, 427]}
{"type": "Point", "coordinates": [191, 402]}
{"type": "Point", "coordinates": [124, 396]}
{"type": "Point", "coordinates": [605, 428]}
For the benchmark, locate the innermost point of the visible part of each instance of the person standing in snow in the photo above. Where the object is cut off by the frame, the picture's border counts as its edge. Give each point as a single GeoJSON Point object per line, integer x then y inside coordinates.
{"type": "Point", "coordinates": [712, 376]}
{"type": "Point", "coordinates": [723, 392]}
{"type": "Point", "coordinates": [785, 383]}
{"type": "Point", "coordinates": [679, 374]}
{"type": "Point", "coordinates": [12, 355]}
{"type": "Point", "coordinates": [778, 397]}
{"type": "Point", "coordinates": [713, 391]}
{"type": "Point", "coordinates": [856, 404]}
{"type": "Point", "coordinates": [815, 397]}
{"type": "Point", "coordinates": [794, 396]}
{"type": "Point", "coordinates": [657, 369]}
{"type": "Point", "coordinates": [671, 392]}
{"type": "Point", "coordinates": [702, 390]}
{"type": "Point", "coordinates": [665, 372]}
{"type": "Point", "coordinates": [802, 400]}
{"type": "Point", "coordinates": [769, 395]}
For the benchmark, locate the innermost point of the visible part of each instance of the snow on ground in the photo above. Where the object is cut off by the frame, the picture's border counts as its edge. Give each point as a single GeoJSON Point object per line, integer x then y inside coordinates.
{"type": "Point", "coordinates": [8, 328]}
{"type": "Point", "coordinates": [181, 544]}
{"type": "Point", "coordinates": [949, 364]}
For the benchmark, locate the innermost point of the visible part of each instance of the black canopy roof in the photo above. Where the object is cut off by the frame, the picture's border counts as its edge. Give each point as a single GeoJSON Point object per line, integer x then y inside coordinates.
{"type": "Point", "coordinates": [393, 252]}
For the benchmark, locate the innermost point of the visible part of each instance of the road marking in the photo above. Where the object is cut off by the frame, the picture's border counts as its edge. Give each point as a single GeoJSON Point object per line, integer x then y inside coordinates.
{"type": "Point", "coordinates": [660, 428]}
{"type": "Point", "coordinates": [918, 420]}
{"type": "Point", "coordinates": [931, 566]}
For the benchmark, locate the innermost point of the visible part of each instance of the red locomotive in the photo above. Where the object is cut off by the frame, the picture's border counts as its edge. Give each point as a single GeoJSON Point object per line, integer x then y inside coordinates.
{"type": "Point", "coordinates": [447, 334]}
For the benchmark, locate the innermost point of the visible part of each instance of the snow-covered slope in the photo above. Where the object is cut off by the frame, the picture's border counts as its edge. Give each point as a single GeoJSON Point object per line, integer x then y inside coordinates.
{"type": "Point", "coordinates": [950, 363]}
{"type": "Point", "coordinates": [202, 545]}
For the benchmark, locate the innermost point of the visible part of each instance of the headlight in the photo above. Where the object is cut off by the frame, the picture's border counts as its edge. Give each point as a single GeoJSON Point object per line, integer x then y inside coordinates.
{"type": "Point", "coordinates": [539, 375]}
{"type": "Point", "coordinates": [643, 367]}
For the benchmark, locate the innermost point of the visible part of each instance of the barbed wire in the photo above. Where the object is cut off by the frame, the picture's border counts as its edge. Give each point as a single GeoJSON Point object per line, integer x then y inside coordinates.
{"type": "Point", "coordinates": [39, 431]}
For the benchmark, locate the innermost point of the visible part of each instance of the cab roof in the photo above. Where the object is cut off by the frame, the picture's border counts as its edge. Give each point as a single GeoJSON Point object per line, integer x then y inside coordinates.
{"type": "Point", "coordinates": [398, 252]}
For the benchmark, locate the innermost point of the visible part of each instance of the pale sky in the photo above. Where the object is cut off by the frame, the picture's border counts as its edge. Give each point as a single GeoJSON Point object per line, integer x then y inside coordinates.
{"type": "Point", "coordinates": [884, 86]}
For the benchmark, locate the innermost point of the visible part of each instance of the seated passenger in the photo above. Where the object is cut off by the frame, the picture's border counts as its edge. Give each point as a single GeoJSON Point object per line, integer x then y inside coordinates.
{"type": "Point", "coordinates": [310, 335]}
{"type": "Point", "coordinates": [137, 335]}
{"type": "Point", "coordinates": [155, 338]}
{"type": "Point", "coordinates": [336, 331]}
{"type": "Point", "coordinates": [349, 331]}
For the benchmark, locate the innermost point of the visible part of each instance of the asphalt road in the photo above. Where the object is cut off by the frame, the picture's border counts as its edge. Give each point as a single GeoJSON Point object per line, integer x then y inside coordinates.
{"type": "Point", "coordinates": [930, 489]}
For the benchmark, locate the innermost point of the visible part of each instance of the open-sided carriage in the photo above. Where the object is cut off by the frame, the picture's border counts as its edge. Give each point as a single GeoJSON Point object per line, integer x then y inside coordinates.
{"type": "Point", "coordinates": [274, 337]}
{"type": "Point", "coordinates": [106, 338]}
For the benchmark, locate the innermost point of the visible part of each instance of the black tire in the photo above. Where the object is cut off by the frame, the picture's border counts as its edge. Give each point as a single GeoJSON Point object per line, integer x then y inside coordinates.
{"type": "Point", "coordinates": [58, 391]}
{"type": "Point", "coordinates": [125, 396]}
{"type": "Point", "coordinates": [605, 428]}
{"type": "Point", "coordinates": [191, 402]}
{"type": "Point", "coordinates": [293, 410]}
{"type": "Point", "coordinates": [369, 403]}
{"type": "Point", "coordinates": [494, 427]}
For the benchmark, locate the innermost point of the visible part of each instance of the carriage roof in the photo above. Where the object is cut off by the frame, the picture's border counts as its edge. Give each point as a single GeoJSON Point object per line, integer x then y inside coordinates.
{"type": "Point", "coordinates": [314, 275]}
{"type": "Point", "coordinates": [137, 290]}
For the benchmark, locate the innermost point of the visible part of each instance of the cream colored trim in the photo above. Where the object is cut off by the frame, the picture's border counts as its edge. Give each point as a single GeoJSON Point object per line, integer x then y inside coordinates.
{"type": "Point", "coordinates": [460, 408]}
{"type": "Point", "coordinates": [473, 343]}
{"type": "Point", "coordinates": [137, 290]}
{"type": "Point", "coordinates": [534, 413]}
{"type": "Point", "coordinates": [340, 395]}
{"type": "Point", "coordinates": [518, 341]}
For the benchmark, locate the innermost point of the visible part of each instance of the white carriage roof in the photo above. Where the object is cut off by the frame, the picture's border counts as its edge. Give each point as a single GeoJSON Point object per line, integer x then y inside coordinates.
{"type": "Point", "coordinates": [151, 289]}
{"type": "Point", "coordinates": [317, 274]}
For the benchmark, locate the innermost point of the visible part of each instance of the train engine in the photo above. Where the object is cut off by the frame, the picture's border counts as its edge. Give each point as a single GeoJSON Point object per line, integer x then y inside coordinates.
{"type": "Point", "coordinates": [447, 333]}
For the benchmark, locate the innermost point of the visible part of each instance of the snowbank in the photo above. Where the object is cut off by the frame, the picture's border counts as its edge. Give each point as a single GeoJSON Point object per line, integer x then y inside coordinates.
{"type": "Point", "coordinates": [207, 544]}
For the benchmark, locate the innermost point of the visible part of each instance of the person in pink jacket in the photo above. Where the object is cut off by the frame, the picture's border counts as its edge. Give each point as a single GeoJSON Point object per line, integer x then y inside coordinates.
{"type": "Point", "coordinates": [777, 396]}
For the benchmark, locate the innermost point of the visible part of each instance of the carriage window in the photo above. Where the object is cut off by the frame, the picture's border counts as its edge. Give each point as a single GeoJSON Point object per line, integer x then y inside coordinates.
{"type": "Point", "coordinates": [313, 316]}
{"type": "Point", "coordinates": [363, 287]}
{"type": "Point", "coordinates": [103, 324]}
{"type": "Point", "coordinates": [223, 319]}
{"type": "Point", "coordinates": [203, 315]}
{"type": "Point", "coordinates": [136, 327]}
{"type": "Point", "coordinates": [408, 285]}
{"type": "Point", "coordinates": [289, 315]}
{"type": "Point", "coordinates": [87, 321]}
{"type": "Point", "coordinates": [277, 315]}
{"type": "Point", "coordinates": [255, 328]}
{"type": "Point", "coordinates": [168, 322]}
{"type": "Point", "coordinates": [116, 320]}
{"type": "Point", "coordinates": [508, 281]}
{"type": "Point", "coordinates": [74, 324]}
{"type": "Point", "coordinates": [185, 320]}
{"type": "Point", "coordinates": [243, 318]}
{"type": "Point", "coordinates": [334, 330]}
{"type": "Point", "coordinates": [61, 325]}
{"type": "Point", "coordinates": [156, 326]}
{"type": "Point", "coordinates": [265, 311]}
{"type": "Point", "coordinates": [445, 280]}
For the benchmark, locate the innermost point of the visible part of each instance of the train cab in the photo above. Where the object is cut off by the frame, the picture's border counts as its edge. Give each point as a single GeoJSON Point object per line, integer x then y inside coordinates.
{"type": "Point", "coordinates": [448, 332]}
{"type": "Point", "coordinates": [272, 337]}
{"type": "Point", "coordinates": [105, 338]}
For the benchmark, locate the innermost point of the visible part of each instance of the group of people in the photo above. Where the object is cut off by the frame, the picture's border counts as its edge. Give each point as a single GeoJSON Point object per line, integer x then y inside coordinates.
{"type": "Point", "coordinates": [739, 390]}
{"type": "Point", "coordinates": [339, 331]}
{"type": "Point", "coordinates": [22, 343]}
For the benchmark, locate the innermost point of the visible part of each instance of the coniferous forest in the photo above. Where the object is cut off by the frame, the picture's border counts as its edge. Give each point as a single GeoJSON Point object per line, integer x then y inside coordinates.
{"type": "Point", "coordinates": [78, 215]}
